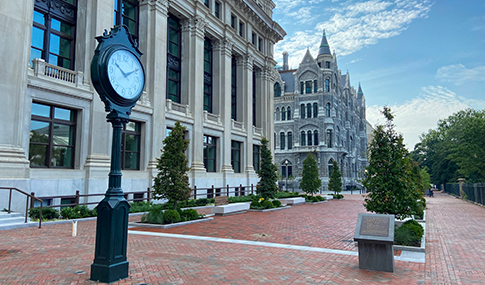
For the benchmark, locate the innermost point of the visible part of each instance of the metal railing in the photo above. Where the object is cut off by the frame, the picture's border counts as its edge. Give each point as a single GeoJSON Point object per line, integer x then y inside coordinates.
{"type": "Point", "coordinates": [475, 192]}
{"type": "Point", "coordinates": [32, 198]}
{"type": "Point", "coordinates": [218, 191]}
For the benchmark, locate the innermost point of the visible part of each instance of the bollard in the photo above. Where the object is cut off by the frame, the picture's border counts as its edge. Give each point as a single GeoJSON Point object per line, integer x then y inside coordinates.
{"type": "Point", "coordinates": [74, 228]}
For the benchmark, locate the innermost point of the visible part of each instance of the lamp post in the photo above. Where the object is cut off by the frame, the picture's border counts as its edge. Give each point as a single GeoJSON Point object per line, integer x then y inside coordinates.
{"type": "Point", "coordinates": [286, 166]}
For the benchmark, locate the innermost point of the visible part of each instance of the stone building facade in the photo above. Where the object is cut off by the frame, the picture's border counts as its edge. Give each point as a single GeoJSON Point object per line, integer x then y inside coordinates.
{"type": "Point", "coordinates": [208, 63]}
{"type": "Point", "coordinates": [317, 109]}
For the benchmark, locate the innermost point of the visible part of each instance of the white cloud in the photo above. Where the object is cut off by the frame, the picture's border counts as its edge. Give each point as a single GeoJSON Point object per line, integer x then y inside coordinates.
{"type": "Point", "coordinates": [421, 114]}
{"type": "Point", "coordinates": [303, 15]}
{"type": "Point", "coordinates": [459, 74]}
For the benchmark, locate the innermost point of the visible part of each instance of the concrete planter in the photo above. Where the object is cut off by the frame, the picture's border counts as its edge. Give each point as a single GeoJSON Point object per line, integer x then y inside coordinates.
{"type": "Point", "coordinates": [159, 226]}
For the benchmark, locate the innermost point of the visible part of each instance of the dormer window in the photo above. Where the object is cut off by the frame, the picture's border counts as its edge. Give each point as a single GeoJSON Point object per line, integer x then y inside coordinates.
{"type": "Point", "coordinates": [327, 64]}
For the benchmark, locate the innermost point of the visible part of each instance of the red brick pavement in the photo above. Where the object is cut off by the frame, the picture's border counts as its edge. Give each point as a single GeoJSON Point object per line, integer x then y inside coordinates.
{"type": "Point", "coordinates": [454, 242]}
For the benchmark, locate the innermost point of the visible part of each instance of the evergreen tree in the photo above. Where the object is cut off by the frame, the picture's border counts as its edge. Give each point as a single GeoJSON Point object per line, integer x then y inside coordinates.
{"type": "Point", "coordinates": [172, 181]}
{"type": "Point", "coordinates": [335, 182]}
{"type": "Point", "coordinates": [391, 187]}
{"type": "Point", "coordinates": [310, 180]}
{"type": "Point", "coordinates": [268, 173]}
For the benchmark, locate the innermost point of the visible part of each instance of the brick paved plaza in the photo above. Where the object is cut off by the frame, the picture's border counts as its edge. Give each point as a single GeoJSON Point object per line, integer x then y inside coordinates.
{"type": "Point", "coordinates": [255, 248]}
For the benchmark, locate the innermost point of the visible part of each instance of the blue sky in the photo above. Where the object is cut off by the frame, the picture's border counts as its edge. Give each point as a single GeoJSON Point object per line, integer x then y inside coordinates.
{"type": "Point", "coordinates": [424, 59]}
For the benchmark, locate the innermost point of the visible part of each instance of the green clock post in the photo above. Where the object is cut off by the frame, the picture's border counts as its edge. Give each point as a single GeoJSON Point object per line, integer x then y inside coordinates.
{"type": "Point", "coordinates": [119, 78]}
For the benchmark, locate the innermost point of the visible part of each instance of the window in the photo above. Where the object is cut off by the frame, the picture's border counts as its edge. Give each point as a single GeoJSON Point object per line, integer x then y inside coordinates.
{"type": "Point", "coordinates": [327, 110]}
{"type": "Point", "coordinates": [52, 136]}
{"type": "Point", "coordinates": [253, 38]}
{"type": "Point", "coordinates": [282, 140]}
{"type": "Point", "coordinates": [274, 140]}
{"type": "Point", "coordinates": [308, 87]}
{"type": "Point", "coordinates": [309, 136]}
{"type": "Point", "coordinates": [241, 29]}
{"type": "Point", "coordinates": [330, 167]}
{"type": "Point", "coordinates": [233, 89]}
{"type": "Point", "coordinates": [277, 90]}
{"type": "Point", "coordinates": [286, 170]}
{"type": "Point", "coordinates": [329, 138]}
{"type": "Point", "coordinates": [130, 146]}
{"type": "Point", "coordinates": [54, 33]}
{"type": "Point", "coordinates": [290, 140]}
{"type": "Point", "coordinates": [217, 9]}
{"type": "Point", "coordinates": [277, 114]}
{"type": "Point", "coordinates": [315, 86]}
{"type": "Point", "coordinates": [256, 157]}
{"type": "Point", "coordinates": [315, 110]}
{"type": "Point", "coordinates": [68, 202]}
{"type": "Point", "coordinates": [210, 153]}
{"type": "Point", "coordinates": [303, 138]}
{"type": "Point", "coordinates": [208, 75]}
{"type": "Point", "coordinates": [302, 110]}
{"type": "Point", "coordinates": [327, 85]}
{"type": "Point", "coordinates": [254, 98]}
{"type": "Point", "coordinates": [206, 3]}
{"type": "Point", "coordinates": [315, 138]}
{"type": "Point", "coordinates": [233, 21]}
{"type": "Point", "coordinates": [260, 44]}
{"type": "Point", "coordinates": [327, 64]}
{"type": "Point", "coordinates": [309, 110]}
{"type": "Point", "coordinates": [126, 13]}
{"type": "Point", "coordinates": [283, 114]}
{"type": "Point", "coordinates": [288, 113]}
{"type": "Point", "coordinates": [236, 156]}
{"type": "Point", "coordinates": [173, 59]}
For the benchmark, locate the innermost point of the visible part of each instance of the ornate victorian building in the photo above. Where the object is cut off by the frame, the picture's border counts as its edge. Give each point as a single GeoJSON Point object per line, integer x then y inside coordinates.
{"type": "Point", "coordinates": [209, 64]}
{"type": "Point", "coordinates": [316, 109]}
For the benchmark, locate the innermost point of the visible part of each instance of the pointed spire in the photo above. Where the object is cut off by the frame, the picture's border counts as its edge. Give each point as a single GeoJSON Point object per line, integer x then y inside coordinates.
{"type": "Point", "coordinates": [324, 47]}
{"type": "Point", "coordinates": [359, 92]}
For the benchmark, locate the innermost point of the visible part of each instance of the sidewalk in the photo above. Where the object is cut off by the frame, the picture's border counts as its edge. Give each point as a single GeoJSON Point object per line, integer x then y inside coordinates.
{"type": "Point", "coordinates": [309, 244]}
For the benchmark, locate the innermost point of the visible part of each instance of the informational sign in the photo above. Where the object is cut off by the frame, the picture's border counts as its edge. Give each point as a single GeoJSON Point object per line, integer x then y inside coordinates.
{"type": "Point", "coordinates": [374, 226]}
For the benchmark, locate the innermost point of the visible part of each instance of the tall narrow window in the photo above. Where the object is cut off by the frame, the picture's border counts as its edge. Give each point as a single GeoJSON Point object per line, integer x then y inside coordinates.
{"type": "Point", "coordinates": [309, 110]}
{"type": "Point", "coordinates": [256, 157]}
{"type": "Point", "coordinates": [330, 167]}
{"type": "Point", "coordinates": [274, 140]}
{"type": "Point", "coordinates": [253, 38]}
{"type": "Point", "coordinates": [210, 153]}
{"type": "Point", "coordinates": [302, 87]}
{"type": "Point", "coordinates": [233, 21]}
{"type": "Point", "coordinates": [260, 44]}
{"type": "Point", "coordinates": [302, 111]}
{"type": "Point", "coordinates": [277, 114]}
{"type": "Point", "coordinates": [254, 98]}
{"type": "Point", "coordinates": [327, 64]}
{"type": "Point", "coordinates": [282, 140]}
{"type": "Point", "coordinates": [126, 13]}
{"type": "Point", "coordinates": [208, 75]}
{"type": "Point", "coordinates": [329, 138]}
{"type": "Point", "coordinates": [277, 90]}
{"type": "Point", "coordinates": [327, 85]}
{"type": "Point", "coordinates": [315, 110]}
{"type": "Point", "coordinates": [206, 3]}
{"type": "Point", "coordinates": [290, 140]}
{"type": "Point", "coordinates": [303, 138]}
{"type": "Point", "coordinates": [288, 113]}
{"type": "Point", "coordinates": [286, 170]}
{"type": "Point", "coordinates": [283, 114]}
{"type": "Point", "coordinates": [315, 86]}
{"type": "Point", "coordinates": [130, 146]}
{"type": "Point", "coordinates": [54, 33]}
{"type": "Point", "coordinates": [233, 89]}
{"type": "Point", "coordinates": [315, 138]}
{"type": "Point", "coordinates": [173, 59]}
{"type": "Point", "coordinates": [308, 87]}
{"type": "Point", "coordinates": [309, 136]}
{"type": "Point", "coordinates": [52, 136]}
{"type": "Point", "coordinates": [217, 9]}
{"type": "Point", "coordinates": [236, 156]}
{"type": "Point", "coordinates": [327, 110]}
{"type": "Point", "coordinates": [241, 29]}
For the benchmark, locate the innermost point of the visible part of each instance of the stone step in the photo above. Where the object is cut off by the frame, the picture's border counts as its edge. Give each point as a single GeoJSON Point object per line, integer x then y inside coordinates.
{"type": "Point", "coordinates": [14, 220]}
{"type": "Point", "coordinates": [11, 215]}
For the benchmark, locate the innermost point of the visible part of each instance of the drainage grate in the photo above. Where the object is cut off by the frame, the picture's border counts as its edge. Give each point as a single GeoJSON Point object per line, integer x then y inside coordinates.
{"type": "Point", "coordinates": [79, 272]}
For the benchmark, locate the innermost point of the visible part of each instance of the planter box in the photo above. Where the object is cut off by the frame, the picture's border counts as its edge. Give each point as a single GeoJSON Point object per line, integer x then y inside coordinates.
{"type": "Point", "coordinates": [159, 226]}
{"type": "Point", "coordinates": [229, 209]}
{"type": "Point", "coordinates": [293, 201]}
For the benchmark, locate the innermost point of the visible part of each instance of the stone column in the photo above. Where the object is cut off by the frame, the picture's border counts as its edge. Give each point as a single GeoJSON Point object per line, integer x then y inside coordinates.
{"type": "Point", "coordinates": [268, 94]}
{"type": "Point", "coordinates": [461, 181]}
{"type": "Point", "coordinates": [248, 108]}
{"type": "Point", "coordinates": [14, 55]}
{"type": "Point", "coordinates": [225, 71]}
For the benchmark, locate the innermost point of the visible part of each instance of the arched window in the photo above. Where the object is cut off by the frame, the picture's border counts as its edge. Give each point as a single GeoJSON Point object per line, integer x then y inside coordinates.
{"type": "Point", "coordinates": [303, 139]}
{"type": "Point", "coordinates": [309, 136]}
{"type": "Point", "coordinates": [315, 110]}
{"type": "Point", "coordinates": [315, 137]}
{"type": "Point", "coordinates": [315, 86]}
{"type": "Point", "coordinates": [286, 169]}
{"type": "Point", "coordinates": [329, 138]}
{"type": "Point", "coordinates": [309, 110]}
{"type": "Point", "coordinates": [277, 114]}
{"type": "Point", "coordinates": [283, 114]}
{"type": "Point", "coordinates": [282, 140]}
{"type": "Point", "coordinates": [277, 90]}
{"type": "Point", "coordinates": [302, 111]}
{"type": "Point", "coordinates": [327, 110]}
{"type": "Point", "coordinates": [330, 167]}
{"type": "Point", "coordinates": [308, 87]}
{"type": "Point", "coordinates": [290, 140]}
{"type": "Point", "coordinates": [327, 85]}
{"type": "Point", "coordinates": [288, 113]}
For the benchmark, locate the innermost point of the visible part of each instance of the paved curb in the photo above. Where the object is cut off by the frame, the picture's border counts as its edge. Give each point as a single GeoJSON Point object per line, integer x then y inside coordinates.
{"type": "Point", "coordinates": [268, 210]}
{"type": "Point", "coordinates": [145, 225]}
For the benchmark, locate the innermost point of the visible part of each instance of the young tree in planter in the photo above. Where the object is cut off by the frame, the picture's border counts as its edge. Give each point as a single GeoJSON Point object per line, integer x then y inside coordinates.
{"type": "Point", "coordinates": [335, 182]}
{"type": "Point", "coordinates": [268, 173]}
{"type": "Point", "coordinates": [390, 187]}
{"type": "Point", "coordinates": [310, 180]}
{"type": "Point", "coordinates": [172, 181]}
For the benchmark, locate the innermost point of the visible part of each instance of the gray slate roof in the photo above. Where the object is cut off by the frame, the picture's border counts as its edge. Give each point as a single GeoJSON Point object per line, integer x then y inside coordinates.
{"type": "Point", "coordinates": [324, 47]}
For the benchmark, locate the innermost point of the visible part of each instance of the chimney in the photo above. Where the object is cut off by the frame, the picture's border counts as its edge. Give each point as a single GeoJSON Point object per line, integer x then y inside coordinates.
{"type": "Point", "coordinates": [285, 60]}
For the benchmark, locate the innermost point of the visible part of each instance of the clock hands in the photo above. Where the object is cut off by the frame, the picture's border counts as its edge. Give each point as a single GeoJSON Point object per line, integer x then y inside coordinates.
{"type": "Point", "coordinates": [128, 73]}
{"type": "Point", "coordinates": [124, 74]}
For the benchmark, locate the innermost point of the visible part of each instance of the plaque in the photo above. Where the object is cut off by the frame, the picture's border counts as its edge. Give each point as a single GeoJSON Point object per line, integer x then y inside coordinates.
{"type": "Point", "coordinates": [374, 226]}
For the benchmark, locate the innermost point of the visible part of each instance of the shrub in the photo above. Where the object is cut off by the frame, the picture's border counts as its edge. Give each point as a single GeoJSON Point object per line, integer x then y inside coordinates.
{"type": "Point", "coordinates": [79, 211]}
{"type": "Point", "coordinates": [415, 227]}
{"type": "Point", "coordinates": [48, 213]}
{"type": "Point", "coordinates": [201, 202]}
{"type": "Point", "coordinates": [409, 234]}
{"type": "Point", "coordinates": [277, 203]}
{"type": "Point", "coordinates": [171, 216]}
{"type": "Point", "coordinates": [286, 194]}
{"type": "Point", "coordinates": [267, 204]}
{"type": "Point", "coordinates": [142, 206]}
{"type": "Point", "coordinates": [211, 201]}
{"type": "Point", "coordinates": [256, 205]}
{"type": "Point", "coordinates": [154, 216]}
{"type": "Point", "coordinates": [242, 199]}
{"type": "Point", "coordinates": [338, 196]}
{"type": "Point", "coordinates": [320, 198]}
{"type": "Point", "coordinates": [189, 215]}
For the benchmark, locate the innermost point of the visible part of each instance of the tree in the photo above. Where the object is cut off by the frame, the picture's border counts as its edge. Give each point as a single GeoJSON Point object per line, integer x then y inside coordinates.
{"type": "Point", "coordinates": [390, 186]}
{"type": "Point", "coordinates": [335, 182]}
{"type": "Point", "coordinates": [268, 173]}
{"type": "Point", "coordinates": [172, 181]}
{"type": "Point", "coordinates": [310, 180]}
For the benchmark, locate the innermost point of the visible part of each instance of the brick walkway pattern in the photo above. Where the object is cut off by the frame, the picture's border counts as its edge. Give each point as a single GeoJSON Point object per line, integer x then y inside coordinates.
{"type": "Point", "coordinates": [455, 250]}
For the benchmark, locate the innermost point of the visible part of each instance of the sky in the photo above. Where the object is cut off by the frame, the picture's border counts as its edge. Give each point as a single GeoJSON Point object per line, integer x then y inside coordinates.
{"type": "Point", "coordinates": [424, 59]}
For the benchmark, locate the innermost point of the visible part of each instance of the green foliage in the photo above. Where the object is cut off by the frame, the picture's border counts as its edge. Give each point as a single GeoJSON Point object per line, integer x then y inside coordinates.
{"type": "Point", "coordinates": [256, 205]}
{"type": "Point", "coordinates": [189, 215]}
{"type": "Point", "coordinates": [154, 216]}
{"type": "Point", "coordinates": [48, 213]}
{"type": "Point", "coordinates": [142, 206]}
{"type": "Point", "coordinates": [267, 173]}
{"type": "Point", "coordinates": [338, 196]}
{"type": "Point", "coordinates": [310, 181]}
{"type": "Point", "coordinates": [202, 202]}
{"type": "Point", "coordinates": [267, 204]}
{"type": "Point", "coordinates": [335, 182]}
{"type": "Point", "coordinates": [276, 203]}
{"type": "Point", "coordinates": [79, 211]}
{"type": "Point", "coordinates": [286, 194]}
{"type": "Point", "coordinates": [240, 199]}
{"type": "Point", "coordinates": [389, 182]}
{"type": "Point", "coordinates": [409, 234]}
{"type": "Point", "coordinates": [171, 216]}
{"type": "Point", "coordinates": [172, 181]}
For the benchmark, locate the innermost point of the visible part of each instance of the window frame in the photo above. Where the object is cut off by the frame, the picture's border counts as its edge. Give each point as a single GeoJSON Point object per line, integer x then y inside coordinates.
{"type": "Point", "coordinates": [208, 94]}
{"type": "Point", "coordinates": [206, 151]}
{"type": "Point", "coordinates": [174, 62]}
{"type": "Point", "coordinates": [118, 17]}
{"type": "Point", "coordinates": [234, 88]}
{"type": "Point", "coordinates": [290, 140]}
{"type": "Point", "coordinates": [124, 133]}
{"type": "Point", "coordinates": [236, 146]}
{"type": "Point", "coordinates": [315, 110]}
{"type": "Point", "coordinates": [302, 111]}
{"type": "Point", "coordinates": [282, 140]}
{"type": "Point", "coordinates": [256, 157]}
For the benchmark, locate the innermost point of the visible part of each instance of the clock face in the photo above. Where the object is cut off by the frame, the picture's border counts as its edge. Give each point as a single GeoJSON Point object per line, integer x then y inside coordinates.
{"type": "Point", "coordinates": [125, 74]}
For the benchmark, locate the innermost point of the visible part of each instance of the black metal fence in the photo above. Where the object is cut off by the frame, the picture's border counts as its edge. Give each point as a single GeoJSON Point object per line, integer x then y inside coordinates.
{"type": "Point", "coordinates": [453, 189]}
{"type": "Point", "coordinates": [474, 192]}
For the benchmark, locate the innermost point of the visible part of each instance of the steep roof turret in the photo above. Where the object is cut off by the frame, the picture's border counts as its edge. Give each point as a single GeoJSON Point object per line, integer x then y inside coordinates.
{"type": "Point", "coordinates": [324, 47]}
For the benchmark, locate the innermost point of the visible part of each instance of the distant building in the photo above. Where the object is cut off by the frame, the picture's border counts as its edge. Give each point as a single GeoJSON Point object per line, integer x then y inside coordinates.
{"type": "Point", "coordinates": [317, 109]}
